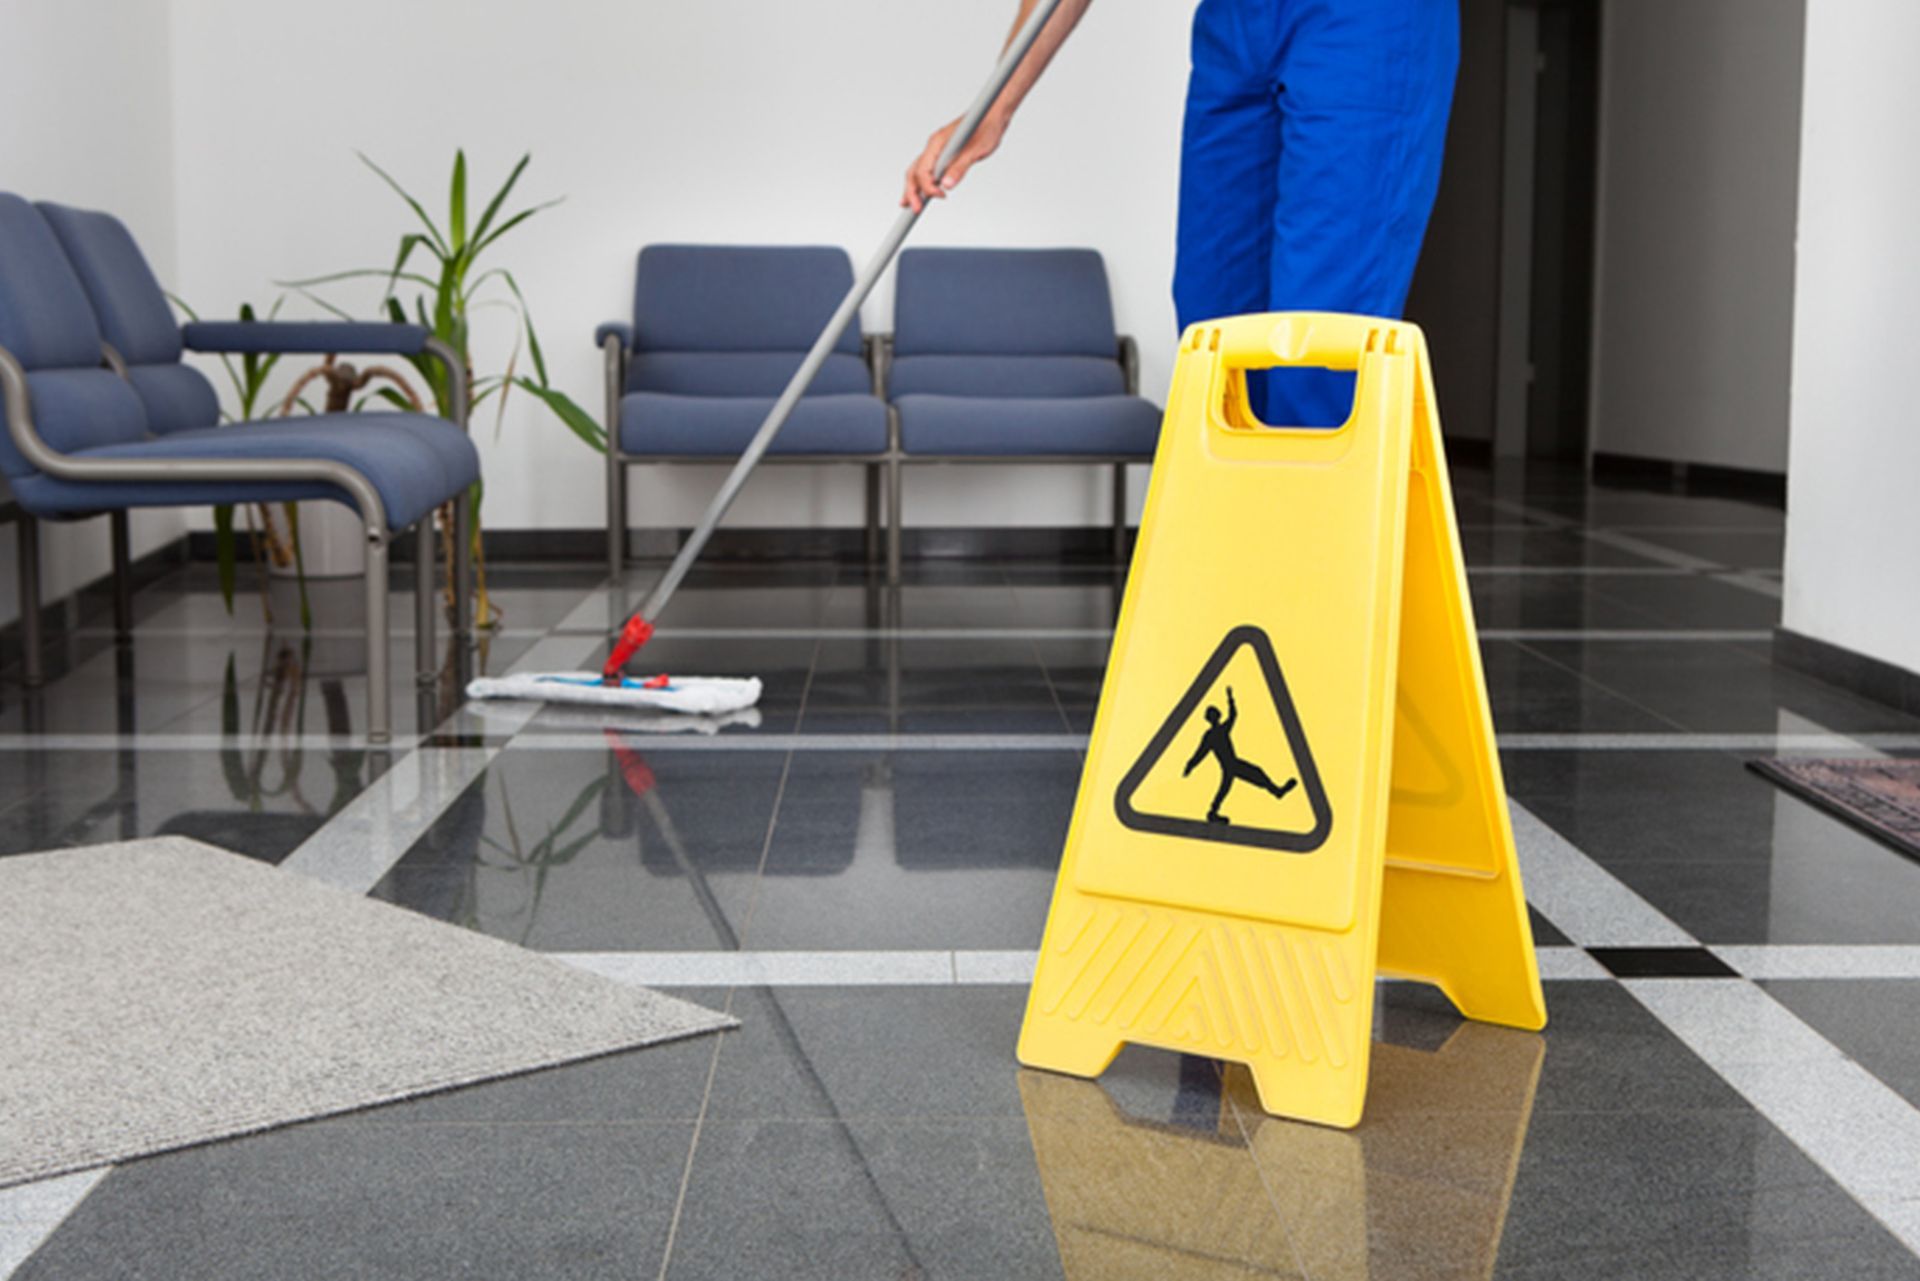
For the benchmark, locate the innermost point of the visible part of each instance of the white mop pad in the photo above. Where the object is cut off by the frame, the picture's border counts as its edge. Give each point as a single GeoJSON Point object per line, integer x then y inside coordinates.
{"type": "Point", "coordinates": [626, 720]}
{"type": "Point", "coordinates": [699, 695]}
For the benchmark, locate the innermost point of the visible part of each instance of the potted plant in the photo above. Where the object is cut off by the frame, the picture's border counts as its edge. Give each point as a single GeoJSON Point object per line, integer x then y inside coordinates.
{"type": "Point", "coordinates": [286, 536]}
{"type": "Point", "coordinates": [276, 543]}
{"type": "Point", "coordinates": [444, 297]}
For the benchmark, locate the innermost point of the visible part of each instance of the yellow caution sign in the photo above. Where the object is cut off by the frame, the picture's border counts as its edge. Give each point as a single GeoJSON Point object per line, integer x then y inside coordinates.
{"type": "Point", "coordinates": [1292, 785]}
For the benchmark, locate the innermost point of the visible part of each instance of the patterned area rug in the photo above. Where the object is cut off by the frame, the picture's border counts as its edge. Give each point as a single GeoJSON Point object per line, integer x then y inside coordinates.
{"type": "Point", "coordinates": [1880, 797]}
{"type": "Point", "coordinates": [161, 993]}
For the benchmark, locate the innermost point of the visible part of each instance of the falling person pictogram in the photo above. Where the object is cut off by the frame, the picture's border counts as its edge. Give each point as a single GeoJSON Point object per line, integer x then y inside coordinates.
{"type": "Point", "coordinates": [1217, 742]}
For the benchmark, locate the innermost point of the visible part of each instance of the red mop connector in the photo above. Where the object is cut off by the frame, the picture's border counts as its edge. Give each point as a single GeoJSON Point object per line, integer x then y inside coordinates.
{"type": "Point", "coordinates": [633, 767]}
{"type": "Point", "coordinates": [636, 633]}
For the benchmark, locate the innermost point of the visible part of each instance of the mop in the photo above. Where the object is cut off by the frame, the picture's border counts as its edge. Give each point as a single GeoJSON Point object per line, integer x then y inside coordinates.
{"type": "Point", "coordinates": [718, 695]}
{"type": "Point", "coordinates": [627, 719]}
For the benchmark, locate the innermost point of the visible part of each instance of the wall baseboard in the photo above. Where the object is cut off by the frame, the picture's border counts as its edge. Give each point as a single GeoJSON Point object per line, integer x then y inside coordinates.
{"type": "Point", "coordinates": [1857, 673]}
{"type": "Point", "coordinates": [1089, 544]}
{"type": "Point", "coordinates": [1473, 451]}
{"type": "Point", "coordinates": [1695, 480]}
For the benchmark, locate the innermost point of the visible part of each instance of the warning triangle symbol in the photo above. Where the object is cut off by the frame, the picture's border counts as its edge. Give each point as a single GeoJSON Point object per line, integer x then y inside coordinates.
{"type": "Point", "coordinates": [1231, 763]}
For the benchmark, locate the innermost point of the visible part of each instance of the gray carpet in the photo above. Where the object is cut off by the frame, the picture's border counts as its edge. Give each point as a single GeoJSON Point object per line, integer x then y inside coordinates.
{"type": "Point", "coordinates": [160, 993]}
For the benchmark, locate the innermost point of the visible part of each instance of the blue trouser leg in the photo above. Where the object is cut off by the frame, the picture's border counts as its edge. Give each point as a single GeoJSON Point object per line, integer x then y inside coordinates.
{"type": "Point", "coordinates": [1229, 164]}
{"type": "Point", "coordinates": [1312, 147]}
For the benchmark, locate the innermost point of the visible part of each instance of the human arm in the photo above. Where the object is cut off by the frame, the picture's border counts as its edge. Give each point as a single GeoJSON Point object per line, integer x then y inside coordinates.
{"type": "Point", "coordinates": [922, 184]}
{"type": "Point", "coordinates": [1233, 712]}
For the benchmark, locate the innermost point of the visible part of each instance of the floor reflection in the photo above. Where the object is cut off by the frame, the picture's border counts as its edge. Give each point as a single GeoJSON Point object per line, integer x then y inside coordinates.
{"type": "Point", "coordinates": [277, 759]}
{"type": "Point", "coordinates": [1133, 1196]}
{"type": "Point", "coordinates": [1198, 1182]}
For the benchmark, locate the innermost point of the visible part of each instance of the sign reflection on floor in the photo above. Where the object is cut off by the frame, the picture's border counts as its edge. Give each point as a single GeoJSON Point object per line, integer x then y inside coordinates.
{"type": "Point", "coordinates": [1172, 1185]}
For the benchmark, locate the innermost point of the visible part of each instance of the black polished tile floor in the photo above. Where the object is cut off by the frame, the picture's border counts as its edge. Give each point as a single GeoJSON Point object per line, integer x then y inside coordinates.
{"type": "Point", "coordinates": [895, 809]}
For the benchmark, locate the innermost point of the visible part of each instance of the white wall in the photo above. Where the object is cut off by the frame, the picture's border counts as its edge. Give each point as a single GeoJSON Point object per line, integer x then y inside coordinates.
{"type": "Point", "coordinates": [83, 89]}
{"type": "Point", "coordinates": [1693, 289]}
{"type": "Point", "coordinates": [1853, 526]}
{"type": "Point", "coordinates": [733, 120]}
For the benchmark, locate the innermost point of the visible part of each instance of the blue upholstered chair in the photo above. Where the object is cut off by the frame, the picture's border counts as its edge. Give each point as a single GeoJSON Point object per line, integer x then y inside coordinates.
{"type": "Point", "coordinates": [101, 416]}
{"type": "Point", "coordinates": [717, 331]}
{"type": "Point", "coordinates": [1005, 355]}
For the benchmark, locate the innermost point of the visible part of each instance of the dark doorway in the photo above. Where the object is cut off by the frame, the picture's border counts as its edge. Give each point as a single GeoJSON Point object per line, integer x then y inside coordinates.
{"type": "Point", "coordinates": [1505, 283]}
{"type": "Point", "coordinates": [1565, 149]}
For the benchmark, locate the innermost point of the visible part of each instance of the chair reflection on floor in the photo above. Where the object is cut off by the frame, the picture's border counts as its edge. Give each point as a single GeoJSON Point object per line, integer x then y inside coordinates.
{"type": "Point", "coordinates": [1420, 1189]}
{"type": "Point", "coordinates": [284, 734]}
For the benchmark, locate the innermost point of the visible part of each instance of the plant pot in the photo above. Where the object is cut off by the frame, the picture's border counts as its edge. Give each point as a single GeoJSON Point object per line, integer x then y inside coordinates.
{"type": "Point", "coordinates": [332, 542]}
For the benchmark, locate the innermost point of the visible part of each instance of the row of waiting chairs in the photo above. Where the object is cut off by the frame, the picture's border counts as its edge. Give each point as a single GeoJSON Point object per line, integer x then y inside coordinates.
{"type": "Point", "coordinates": [101, 416]}
{"type": "Point", "coordinates": [996, 355]}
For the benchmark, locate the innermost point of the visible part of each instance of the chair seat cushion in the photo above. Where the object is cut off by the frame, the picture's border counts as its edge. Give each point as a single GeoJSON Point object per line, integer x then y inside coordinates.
{"type": "Point", "coordinates": [1009, 428]}
{"type": "Point", "coordinates": [742, 373]}
{"type": "Point", "coordinates": [414, 463]}
{"type": "Point", "coordinates": [176, 397]}
{"type": "Point", "coordinates": [652, 423]}
{"type": "Point", "coordinates": [76, 409]}
{"type": "Point", "coordinates": [1004, 376]}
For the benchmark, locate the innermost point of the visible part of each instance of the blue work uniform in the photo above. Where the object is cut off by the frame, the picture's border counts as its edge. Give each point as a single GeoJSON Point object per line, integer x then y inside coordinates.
{"type": "Point", "coordinates": [1309, 162]}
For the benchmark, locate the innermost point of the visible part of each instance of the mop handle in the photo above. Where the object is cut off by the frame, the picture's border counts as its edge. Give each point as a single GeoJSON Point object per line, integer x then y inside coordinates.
{"type": "Point", "coordinates": [829, 337]}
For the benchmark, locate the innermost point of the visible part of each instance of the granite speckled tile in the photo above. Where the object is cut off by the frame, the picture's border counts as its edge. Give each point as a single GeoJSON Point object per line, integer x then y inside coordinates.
{"type": "Point", "coordinates": [869, 908]}
{"type": "Point", "coordinates": [424, 1201]}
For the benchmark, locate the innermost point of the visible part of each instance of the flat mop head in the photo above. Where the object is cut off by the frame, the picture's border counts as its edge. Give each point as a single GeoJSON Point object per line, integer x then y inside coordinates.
{"type": "Point", "coordinates": [696, 695]}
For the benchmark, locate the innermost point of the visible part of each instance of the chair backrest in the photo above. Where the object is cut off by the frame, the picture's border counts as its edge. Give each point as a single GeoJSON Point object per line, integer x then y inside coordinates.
{"type": "Point", "coordinates": [735, 320]}
{"type": "Point", "coordinates": [48, 325]}
{"type": "Point", "coordinates": [1004, 322]}
{"type": "Point", "coordinates": [135, 317]}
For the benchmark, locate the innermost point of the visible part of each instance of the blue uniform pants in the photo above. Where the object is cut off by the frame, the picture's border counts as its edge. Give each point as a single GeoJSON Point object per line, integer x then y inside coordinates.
{"type": "Point", "coordinates": [1309, 161]}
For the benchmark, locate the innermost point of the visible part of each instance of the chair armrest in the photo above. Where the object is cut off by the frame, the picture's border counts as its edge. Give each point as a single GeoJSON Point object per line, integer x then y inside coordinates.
{"type": "Point", "coordinates": [319, 337]}
{"type": "Point", "coordinates": [304, 337]}
{"type": "Point", "coordinates": [1130, 364]}
{"type": "Point", "coordinates": [614, 329]}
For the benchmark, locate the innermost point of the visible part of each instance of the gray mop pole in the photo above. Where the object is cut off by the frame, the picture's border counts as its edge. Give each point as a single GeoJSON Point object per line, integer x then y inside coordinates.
{"type": "Point", "coordinates": [849, 307]}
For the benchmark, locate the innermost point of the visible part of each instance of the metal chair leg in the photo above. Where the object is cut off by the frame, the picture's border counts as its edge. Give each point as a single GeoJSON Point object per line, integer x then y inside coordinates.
{"type": "Point", "coordinates": [122, 574]}
{"type": "Point", "coordinates": [892, 643]}
{"type": "Point", "coordinates": [426, 657]}
{"type": "Point", "coordinates": [616, 378]}
{"type": "Point", "coordinates": [616, 516]}
{"type": "Point", "coordinates": [379, 690]}
{"type": "Point", "coordinates": [873, 512]}
{"type": "Point", "coordinates": [1119, 512]}
{"type": "Point", "coordinates": [894, 521]}
{"type": "Point", "coordinates": [426, 704]}
{"type": "Point", "coordinates": [27, 550]}
{"type": "Point", "coordinates": [463, 530]}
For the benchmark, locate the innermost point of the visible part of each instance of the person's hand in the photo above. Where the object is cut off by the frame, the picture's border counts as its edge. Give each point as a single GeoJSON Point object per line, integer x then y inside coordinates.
{"type": "Point", "coordinates": [921, 187]}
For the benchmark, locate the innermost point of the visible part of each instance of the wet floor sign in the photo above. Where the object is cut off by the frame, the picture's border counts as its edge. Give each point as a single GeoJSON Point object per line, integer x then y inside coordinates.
{"type": "Point", "coordinates": [1292, 785]}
